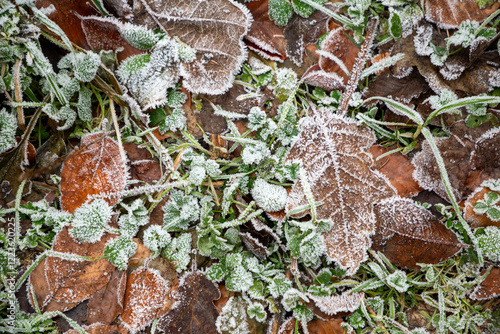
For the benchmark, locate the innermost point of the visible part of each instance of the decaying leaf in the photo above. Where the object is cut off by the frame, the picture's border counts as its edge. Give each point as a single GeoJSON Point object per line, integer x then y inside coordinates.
{"type": "Point", "coordinates": [106, 304]}
{"type": "Point", "coordinates": [214, 29]}
{"type": "Point", "coordinates": [400, 89]}
{"type": "Point", "coordinates": [142, 165]}
{"type": "Point", "coordinates": [95, 169]}
{"type": "Point", "coordinates": [332, 153]}
{"type": "Point", "coordinates": [486, 154]}
{"type": "Point", "coordinates": [147, 293]}
{"type": "Point", "coordinates": [101, 329]}
{"type": "Point", "coordinates": [408, 234]}
{"type": "Point", "coordinates": [397, 169]}
{"type": "Point", "coordinates": [61, 284]}
{"type": "Point", "coordinates": [489, 288]}
{"type": "Point", "coordinates": [264, 36]}
{"type": "Point", "coordinates": [193, 310]}
{"type": "Point", "coordinates": [335, 307]}
{"type": "Point", "coordinates": [450, 13]}
{"type": "Point", "coordinates": [455, 154]}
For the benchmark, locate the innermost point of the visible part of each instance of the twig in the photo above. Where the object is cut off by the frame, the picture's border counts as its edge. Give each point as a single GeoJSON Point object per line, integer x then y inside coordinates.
{"type": "Point", "coordinates": [19, 98]}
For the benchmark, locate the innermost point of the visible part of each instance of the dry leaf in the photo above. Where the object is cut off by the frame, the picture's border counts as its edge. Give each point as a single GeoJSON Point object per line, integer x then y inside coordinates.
{"type": "Point", "coordinates": [62, 284]}
{"type": "Point", "coordinates": [335, 307]}
{"type": "Point", "coordinates": [143, 166]}
{"type": "Point", "coordinates": [332, 153]}
{"type": "Point", "coordinates": [408, 234]}
{"type": "Point", "coordinates": [95, 169]}
{"type": "Point", "coordinates": [264, 36]}
{"type": "Point", "coordinates": [400, 89]}
{"type": "Point", "coordinates": [147, 292]}
{"type": "Point", "coordinates": [106, 304]}
{"type": "Point", "coordinates": [193, 310]}
{"type": "Point", "coordinates": [486, 155]}
{"type": "Point", "coordinates": [101, 329]}
{"type": "Point", "coordinates": [489, 288]}
{"type": "Point", "coordinates": [450, 13]}
{"type": "Point", "coordinates": [398, 170]}
{"type": "Point", "coordinates": [215, 29]}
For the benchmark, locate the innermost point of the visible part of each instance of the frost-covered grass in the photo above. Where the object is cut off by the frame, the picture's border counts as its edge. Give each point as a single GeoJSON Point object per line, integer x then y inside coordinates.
{"type": "Point", "coordinates": [217, 207]}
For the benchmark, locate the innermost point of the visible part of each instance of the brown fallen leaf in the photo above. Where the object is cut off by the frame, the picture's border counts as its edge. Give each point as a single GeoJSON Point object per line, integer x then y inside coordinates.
{"type": "Point", "coordinates": [486, 154]}
{"type": "Point", "coordinates": [450, 13]}
{"type": "Point", "coordinates": [106, 304]}
{"type": "Point", "coordinates": [400, 89]}
{"type": "Point", "coordinates": [264, 36]}
{"type": "Point", "coordinates": [214, 29]}
{"type": "Point", "coordinates": [97, 168]}
{"type": "Point", "coordinates": [333, 157]}
{"type": "Point", "coordinates": [336, 306]}
{"type": "Point", "coordinates": [101, 329]}
{"type": "Point", "coordinates": [475, 219]}
{"type": "Point", "coordinates": [408, 234]}
{"type": "Point", "coordinates": [489, 288]}
{"type": "Point", "coordinates": [147, 292]}
{"type": "Point", "coordinates": [61, 284]}
{"type": "Point", "coordinates": [398, 170]}
{"type": "Point", "coordinates": [193, 310]}
{"type": "Point", "coordinates": [143, 166]}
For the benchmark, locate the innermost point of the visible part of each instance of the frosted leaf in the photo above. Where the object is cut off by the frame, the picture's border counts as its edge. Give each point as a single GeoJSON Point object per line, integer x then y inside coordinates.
{"type": "Point", "coordinates": [304, 9]}
{"type": "Point", "coordinates": [48, 215]}
{"type": "Point", "coordinates": [8, 127]}
{"type": "Point", "coordinates": [270, 197]}
{"type": "Point", "coordinates": [85, 65]}
{"type": "Point", "coordinates": [179, 251]}
{"type": "Point", "coordinates": [228, 194]}
{"type": "Point", "coordinates": [492, 185]}
{"type": "Point", "coordinates": [119, 250]}
{"type": "Point", "coordinates": [397, 280]}
{"type": "Point", "coordinates": [173, 122]}
{"type": "Point", "coordinates": [68, 115]}
{"type": "Point", "coordinates": [465, 35]}
{"type": "Point", "coordinates": [286, 80]}
{"type": "Point", "coordinates": [197, 175]}
{"type": "Point", "coordinates": [255, 153]}
{"type": "Point", "coordinates": [291, 297]}
{"type": "Point", "coordinates": [155, 238]}
{"type": "Point", "coordinates": [257, 311]}
{"type": "Point", "coordinates": [256, 118]}
{"type": "Point", "coordinates": [90, 221]}
{"type": "Point", "coordinates": [346, 302]}
{"type": "Point", "coordinates": [212, 168]}
{"type": "Point", "coordinates": [489, 243]}
{"type": "Point", "coordinates": [450, 13]}
{"type": "Point", "coordinates": [69, 85]}
{"type": "Point", "coordinates": [176, 99]}
{"type": "Point", "coordinates": [329, 81]}
{"type": "Point", "coordinates": [311, 249]}
{"type": "Point", "coordinates": [148, 77]}
{"type": "Point", "coordinates": [233, 317]}
{"type": "Point", "coordinates": [422, 40]}
{"type": "Point", "coordinates": [214, 29]}
{"type": "Point", "coordinates": [280, 11]}
{"type": "Point", "coordinates": [446, 97]}
{"type": "Point", "coordinates": [216, 272]}
{"type": "Point", "coordinates": [233, 260]}
{"type": "Point", "coordinates": [239, 279]}
{"type": "Point", "coordinates": [138, 36]}
{"type": "Point", "coordinates": [258, 67]}
{"type": "Point", "coordinates": [180, 210]}
{"type": "Point", "coordinates": [186, 53]}
{"type": "Point", "coordinates": [332, 155]}
{"type": "Point", "coordinates": [279, 285]}
{"type": "Point", "coordinates": [478, 109]}
{"type": "Point", "coordinates": [84, 105]}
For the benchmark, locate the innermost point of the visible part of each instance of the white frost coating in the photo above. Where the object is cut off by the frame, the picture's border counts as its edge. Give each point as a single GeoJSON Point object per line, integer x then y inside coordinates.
{"type": "Point", "coordinates": [269, 197]}
{"type": "Point", "coordinates": [489, 135]}
{"type": "Point", "coordinates": [8, 127]}
{"type": "Point", "coordinates": [233, 317]}
{"type": "Point", "coordinates": [90, 220]}
{"type": "Point", "coordinates": [155, 238]}
{"type": "Point", "coordinates": [422, 40]}
{"type": "Point", "coordinates": [340, 303]}
{"type": "Point", "coordinates": [255, 153]}
{"type": "Point", "coordinates": [489, 242]}
{"type": "Point", "coordinates": [258, 67]}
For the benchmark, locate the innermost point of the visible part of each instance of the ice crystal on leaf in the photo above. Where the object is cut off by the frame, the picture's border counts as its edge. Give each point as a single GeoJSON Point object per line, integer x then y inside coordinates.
{"type": "Point", "coordinates": [489, 242]}
{"type": "Point", "coordinates": [270, 197]}
{"type": "Point", "coordinates": [176, 99]}
{"type": "Point", "coordinates": [280, 11]}
{"type": "Point", "coordinates": [286, 80]}
{"type": "Point", "coordinates": [155, 238]}
{"type": "Point", "coordinates": [139, 36]}
{"type": "Point", "coordinates": [336, 168]}
{"type": "Point", "coordinates": [233, 318]}
{"type": "Point", "coordinates": [256, 118]}
{"type": "Point", "coordinates": [254, 153]}
{"type": "Point", "coordinates": [173, 122]}
{"type": "Point", "coordinates": [84, 105]}
{"type": "Point", "coordinates": [84, 64]}
{"type": "Point", "coordinates": [346, 302]}
{"type": "Point", "coordinates": [179, 251]}
{"type": "Point", "coordinates": [47, 215]}
{"type": "Point", "coordinates": [239, 279]}
{"type": "Point", "coordinates": [257, 311]}
{"type": "Point", "coordinates": [119, 250]}
{"type": "Point", "coordinates": [180, 210]}
{"type": "Point", "coordinates": [397, 280]}
{"type": "Point", "coordinates": [489, 206]}
{"type": "Point", "coordinates": [304, 9]}
{"type": "Point", "coordinates": [8, 127]}
{"type": "Point", "coordinates": [279, 285]}
{"type": "Point", "coordinates": [90, 220]}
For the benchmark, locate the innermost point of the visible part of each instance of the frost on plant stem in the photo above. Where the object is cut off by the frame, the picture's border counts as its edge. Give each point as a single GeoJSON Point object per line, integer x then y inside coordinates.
{"type": "Point", "coordinates": [269, 197]}
{"type": "Point", "coordinates": [489, 242]}
{"type": "Point", "coordinates": [180, 210]}
{"type": "Point", "coordinates": [90, 221]}
{"type": "Point", "coordinates": [155, 238]}
{"type": "Point", "coordinates": [8, 127]}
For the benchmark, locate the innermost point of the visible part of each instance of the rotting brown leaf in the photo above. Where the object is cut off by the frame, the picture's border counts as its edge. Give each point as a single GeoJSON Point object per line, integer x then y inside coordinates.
{"type": "Point", "coordinates": [397, 169]}
{"type": "Point", "coordinates": [450, 13]}
{"type": "Point", "coordinates": [95, 169]}
{"type": "Point", "coordinates": [106, 304]}
{"type": "Point", "coordinates": [100, 329]}
{"type": "Point", "coordinates": [408, 234]}
{"type": "Point", "coordinates": [332, 153]}
{"type": "Point", "coordinates": [214, 29]}
{"type": "Point", "coordinates": [486, 154]}
{"type": "Point", "coordinates": [61, 284]}
{"type": "Point", "coordinates": [489, 288]}
{"type": "Point", "coordinates": [147, 292]}
{"type": "Point", "coordinates": [334, 307]}
{"type": "Point", "coordinates": [143, 166]}
{"type": "Point", "coordinates": [193, 310]}
{"type": "Point", "coordinates": [399, 89]}
{"type": "Point", "coordinates": [264, 36]}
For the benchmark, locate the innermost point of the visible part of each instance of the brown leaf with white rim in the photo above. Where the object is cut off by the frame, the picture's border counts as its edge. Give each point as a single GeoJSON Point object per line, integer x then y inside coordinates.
{"type": "Point", "coordinates": [408, 234]}
{"type": "Point", "coordinates": [450, 13]}
{"type": "Point", "coordinates": [334, 307]}
{"type": "Point", "coordinates": [489, 288]}
{"type": "Point", "coordinates": [96, 169]}
{"type": "Point", "coordinates": [333, 156]}
{"type": "Point", "coordinates": [215, 29]}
